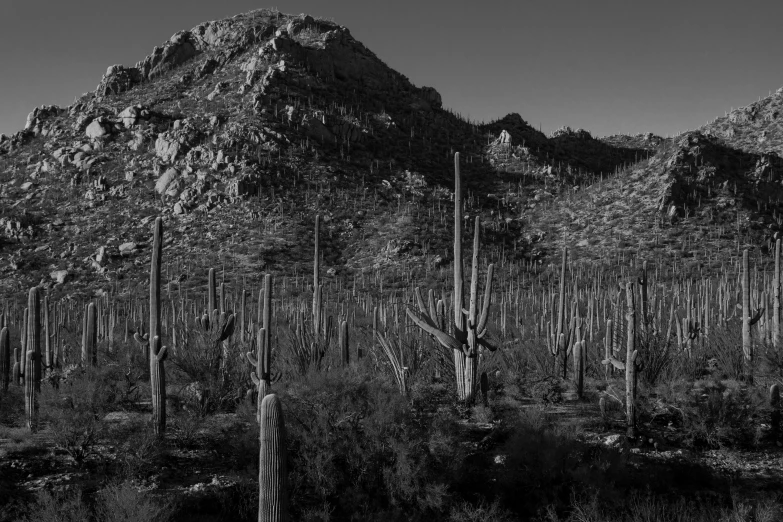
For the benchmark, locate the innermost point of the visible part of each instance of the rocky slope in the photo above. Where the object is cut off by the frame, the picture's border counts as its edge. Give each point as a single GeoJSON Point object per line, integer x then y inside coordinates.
{"type": "Point", "coordinates": [239, 131]}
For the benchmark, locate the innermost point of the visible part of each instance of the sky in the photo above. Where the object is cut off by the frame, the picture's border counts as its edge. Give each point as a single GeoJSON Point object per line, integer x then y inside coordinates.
{"type": "Point", "coordinates": [608, 66]}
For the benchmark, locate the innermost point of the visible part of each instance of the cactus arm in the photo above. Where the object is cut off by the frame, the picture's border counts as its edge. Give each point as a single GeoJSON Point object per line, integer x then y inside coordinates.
{"type": "Point", "coordinates": [443, 338]}
{"type": "Point", "coordinates": [482, 324]}
{"type": "Point", "coordinates": [620, 365]}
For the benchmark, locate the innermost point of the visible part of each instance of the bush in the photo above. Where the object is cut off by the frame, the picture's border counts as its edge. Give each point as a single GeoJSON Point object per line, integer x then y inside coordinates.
{"type": "Point", "coordinates": [116, 503]}
{"type": "Point", "coordinates": [57, 507]}
{"type": "Point", "coordinates": [123, 503]}
{"type": "Point", "coordinates": [74, 412]}
{"type": "Point", "coordinates": [721, 413]}
{"type": "Point", "coordinates": [354, 444]}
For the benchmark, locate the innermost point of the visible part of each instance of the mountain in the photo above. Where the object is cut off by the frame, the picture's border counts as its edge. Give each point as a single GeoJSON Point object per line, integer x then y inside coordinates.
{"type": "Point", "coordinates": [240, 131]}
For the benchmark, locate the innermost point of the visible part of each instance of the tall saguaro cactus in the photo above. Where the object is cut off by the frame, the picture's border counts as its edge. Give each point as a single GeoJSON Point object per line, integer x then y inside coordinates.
{"type": "Point", "coordinates": [5, 358]}
{"type": "Point", "coordinates": [562, 340]}
{"type": "Point", "coordinates": [776, 298]}
{"type": "Point", "coordinates": [748, 320]}
{"type": "Point", "coordinates": [32, 384]}
{"type": "Point", "coordinates": [317, 290]}
{"type": "Point", "coordinates": [157, 354]}
{"type": "Point", "coordinates": [469, 332]}
{"type": "Point", "coordinates": [262, 361]}
{"type": "Point", "coordinates": [345, 354]}
{"type": "Point", "coordinates": [272, 466]}
{"type": "Point", "coordinates": [631, 363]}
{"type": "Point", "coordinates": [90, 336]}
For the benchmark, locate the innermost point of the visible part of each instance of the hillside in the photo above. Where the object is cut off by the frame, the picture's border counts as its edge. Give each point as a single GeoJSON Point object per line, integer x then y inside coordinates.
{"type": "Point", "coordinates": [240, 130]}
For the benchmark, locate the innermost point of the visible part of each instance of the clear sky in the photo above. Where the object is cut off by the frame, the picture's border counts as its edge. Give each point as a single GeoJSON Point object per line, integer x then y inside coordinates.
{"type": "Point", "coordinates": [609, 66]}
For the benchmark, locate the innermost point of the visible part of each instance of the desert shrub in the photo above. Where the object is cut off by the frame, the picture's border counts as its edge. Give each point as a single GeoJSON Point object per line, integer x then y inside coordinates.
{"type": "Point", "coordinates": [123, 503]}
{"type": "Point", "coordinates": [114, 503]}
{"type": "Point", "coordinates": [647, 507]}
{"type": "Point", "coordinates": [57, 507]}
{"type": "Point", "coordinates": [723, 347]}
{"type": "Point", "coordinates": [483, 512]}
{"type": "Point", "coordinates": [74, 411]}
{"type": "Point", "coordinates": [721, 413]}
{"type": "Point", "coordinates": [656, 354]}
{"type": "Point", "coordinates": [139, 450]}
{"type": "Point", "coordinates": [199, 361]}
{"type": "Point", "coordinates": [354, 444]}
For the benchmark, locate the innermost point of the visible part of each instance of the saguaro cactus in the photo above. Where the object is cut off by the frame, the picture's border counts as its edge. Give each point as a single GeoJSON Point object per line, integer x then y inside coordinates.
{"type": "Point", "coordinates": [212, 304]}
{"type": "Point", "coordinates": [632, 364]}
{"type": "Point", "coordinates": [157, 354]}
{"type": "Point", "coordinates": [562, 340]}
{"type": "Point", "coordinates": [469, 332]}
{"type": "Point", "coordinates": [32, 383]}
{"type": "Point", "coordinates": [23, 347]}
{"type": "Point", "coordinates": [16, 370]}
{"type": "Point", "coordinates": [776, 298]}
{"type": "Point", "coordinates": [5, 358]}
{"type": "Point", "coordinates": [272, 472]}
{"type": "Point", "coordinates": [345, 354]}
{"type": "Point", "coordinates": [317, 290]}
{"type": "Point", "coordinates": [748, 320]}
{"type": "Point", "coordinates": [90, 336]}
{"type": "Point", "coordinates": [774, 404]}
{"type": "Point", "coordinates": [579, 367]}
{"type": "Point", "coordinates": [262, 361]}
{"type": "Point", "coordinates": [608, 348]}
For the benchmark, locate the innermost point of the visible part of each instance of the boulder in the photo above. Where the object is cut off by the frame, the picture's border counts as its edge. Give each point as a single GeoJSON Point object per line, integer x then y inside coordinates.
{"type": "Point", "coordinates": [165, 180]}
{"type": "Point", "coordinates": [130, 116]}
{"type": "Point", "coordinates": [166, 147]}
{"type": "Point", "coordinates": [59, 276]}
{"type": "Point", "coordinates": [98, 129]}
{"type": "Point", "coordinates": [316, 129]}
{"type": "Point", "coordinates": [127, 248]}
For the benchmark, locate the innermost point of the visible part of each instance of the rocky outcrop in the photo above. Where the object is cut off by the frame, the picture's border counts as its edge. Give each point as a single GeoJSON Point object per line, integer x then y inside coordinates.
{"type": "Point", "coordinates": [179, 49]}
{"type": "Point", "coordinates": [119, 79]}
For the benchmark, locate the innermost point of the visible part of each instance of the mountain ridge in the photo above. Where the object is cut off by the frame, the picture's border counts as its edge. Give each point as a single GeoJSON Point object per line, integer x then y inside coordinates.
{"type": "Point", "coordinates": [263, 119]}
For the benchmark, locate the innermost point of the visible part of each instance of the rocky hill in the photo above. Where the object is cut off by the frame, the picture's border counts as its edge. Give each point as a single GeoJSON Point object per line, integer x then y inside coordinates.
{"type": "Point", "coordinates": [240, 130]}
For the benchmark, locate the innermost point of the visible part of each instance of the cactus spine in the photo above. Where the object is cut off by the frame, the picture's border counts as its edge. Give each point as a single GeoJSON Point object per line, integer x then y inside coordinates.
{"type": "Point", "coordinates": [5, 358]}
{"type": "Point", "coordinates": [32, 383]}
{"type": "Point", "coordinates": [157, 354]}
{"type": "Point", "coordinates": [272, 472]}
